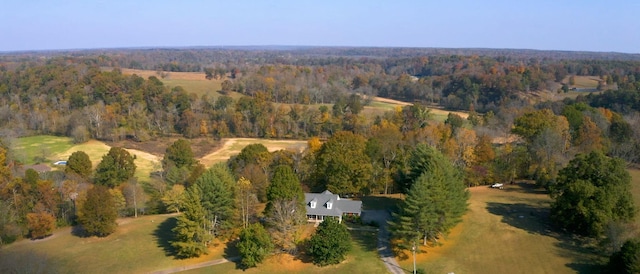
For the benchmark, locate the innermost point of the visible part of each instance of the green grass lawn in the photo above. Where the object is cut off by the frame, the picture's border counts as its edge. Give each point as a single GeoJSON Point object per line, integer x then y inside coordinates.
{"type": "Point", "coordinates": [138, 246]}
{"type": "Point", "coordinates": [48, 149]}
{"type": "Point", "coordinates": [508, 231]}
{"type": "Point", "coordinates": [33, 149]}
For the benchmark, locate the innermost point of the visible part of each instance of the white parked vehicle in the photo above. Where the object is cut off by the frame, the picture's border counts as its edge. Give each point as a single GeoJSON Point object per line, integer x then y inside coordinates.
{"type": "Point", "coordinates": [497, 185]}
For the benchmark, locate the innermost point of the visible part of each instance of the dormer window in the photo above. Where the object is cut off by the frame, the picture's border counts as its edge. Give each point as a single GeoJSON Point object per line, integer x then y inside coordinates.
{"type": "Point", "coordinates": [312, 204]}
{"type": "Point", "coordinates": [330, 204]}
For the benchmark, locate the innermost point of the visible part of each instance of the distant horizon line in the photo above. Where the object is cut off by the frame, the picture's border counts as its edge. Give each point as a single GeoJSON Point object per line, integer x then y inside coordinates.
{"type": "Point", "coordinates": [275, 47]}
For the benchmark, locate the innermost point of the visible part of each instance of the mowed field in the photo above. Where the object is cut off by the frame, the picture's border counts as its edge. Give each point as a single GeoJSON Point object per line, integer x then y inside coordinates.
{"type": "Point", "coordinates": [508, 231]}
{"type": "Point", "coordinates": [233, 146]}
{"type": "Point", "coordinates": [192, 82]}
{"type": "Point", "coordinates": [53, 148]}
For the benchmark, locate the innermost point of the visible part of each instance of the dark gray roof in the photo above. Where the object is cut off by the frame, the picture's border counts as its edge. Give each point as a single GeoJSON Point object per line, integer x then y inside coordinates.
{"type": "Point", "coordinates": [339, 207]}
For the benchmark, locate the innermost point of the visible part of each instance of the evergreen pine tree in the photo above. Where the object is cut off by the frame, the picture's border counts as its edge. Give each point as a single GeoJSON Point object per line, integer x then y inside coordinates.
{"type": "Point", "coordinates": [191, 237]}
{"type": "Point", "coordinates": [217, 198]}
{"type": "Point", "coordinates": [254, 245]}
{"type": "Point", "coordinates": [330, 244]}
{"type": "Point", "coordinates": [435, 202]}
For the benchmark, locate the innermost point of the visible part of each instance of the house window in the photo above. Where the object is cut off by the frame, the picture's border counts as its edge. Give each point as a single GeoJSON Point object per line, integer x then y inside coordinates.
{"type": "Point", "coordinates": [329, 204]}
{"type": "Point", "coordinates": [313, 204]}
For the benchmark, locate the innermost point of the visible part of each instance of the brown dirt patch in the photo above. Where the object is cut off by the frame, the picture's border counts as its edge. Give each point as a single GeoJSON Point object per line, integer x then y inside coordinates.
{"type": "Point", "coordinates": [158, 146]}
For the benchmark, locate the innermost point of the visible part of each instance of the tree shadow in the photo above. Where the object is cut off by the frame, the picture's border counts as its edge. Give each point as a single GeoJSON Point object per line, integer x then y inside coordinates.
{"type": "Point", "coordinates": [78, 231]}
{"type": "Point", "coordinates": [534, 218]}
{"type": "Point", "coordinates": [380, 202]}
{"type": "Point", "coordinates": [528, 187]}
{"type": "Point", "coordinates": [232, 254]}
{"type": "Point", "coordinates": [367, 239]}
{"type": "Point", "coordinates": [164, 236]}
{"type": "Point", "coordinates": [28, 261]}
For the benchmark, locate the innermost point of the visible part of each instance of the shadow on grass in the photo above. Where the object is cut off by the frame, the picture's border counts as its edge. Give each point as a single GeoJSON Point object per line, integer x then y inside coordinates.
{"type": "Point", "coordinates": [528, 187]}
{"type": "Point", "coordinates": [164, 236]}
{"type": "Point", "coordinates": [232, 254]}
{"type": "Point", "coordinates": [78, 231]}
{"type": "Point", "coordinates": [535, 219]}
{"type": "Point", "coordinates": [531, 218]}
{"type": "Point", "coordinates": [368, 240]}
{"type": "Point", "coordinates": [29, 261]}
{"type": "Point", "coordinates": [302, 255]}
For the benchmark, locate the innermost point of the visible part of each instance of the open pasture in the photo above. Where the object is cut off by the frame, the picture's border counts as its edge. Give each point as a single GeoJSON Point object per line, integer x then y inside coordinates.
{"type": "Point", "coordinates": [507, 231]}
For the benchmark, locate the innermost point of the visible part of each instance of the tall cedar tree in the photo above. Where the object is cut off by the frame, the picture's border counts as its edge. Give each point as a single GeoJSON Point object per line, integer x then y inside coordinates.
{"type": "Point", "coordinates": [79, 163]}
{"type": "Point", "coordinates": [115, 168]}
{"type": "Point", "coordinates": [285, 210]}
{"type": "Point", "coordinates": [191, 236]}
{"type": "Point", "coordinates": [435, 202]}
{"type": "Point", "coordinates": [285, 185]}
{"type": "Point", "coordinates": [254, 245]}
{"type": "Point", "coordinates": [330, 244]}
{"type": "Point", "coordinates": [342, 166]}
{"type": "Point", "coordinates": [217, 198]}
{"type": "Point", "coordinates": [591, 192]}
{"type": "Point", "coordinates": [98, 213]}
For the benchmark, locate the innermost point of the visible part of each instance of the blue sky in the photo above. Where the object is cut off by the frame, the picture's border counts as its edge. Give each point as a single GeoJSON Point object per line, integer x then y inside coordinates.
{"type": "Point", "coordinates": [542, 24]}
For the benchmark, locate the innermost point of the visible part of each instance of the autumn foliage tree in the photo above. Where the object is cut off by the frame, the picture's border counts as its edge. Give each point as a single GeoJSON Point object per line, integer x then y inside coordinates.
{"type": "Point", "coordinates": [98, 212]}
{"type": "Point", "coordinates": [342, 165]}
{"type": "Point", "coordinates": [41, 224]}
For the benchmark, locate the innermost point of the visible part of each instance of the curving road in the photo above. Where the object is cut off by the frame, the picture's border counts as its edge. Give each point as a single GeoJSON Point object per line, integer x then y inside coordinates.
{"type": "Point", "coordinates": [384, 245]}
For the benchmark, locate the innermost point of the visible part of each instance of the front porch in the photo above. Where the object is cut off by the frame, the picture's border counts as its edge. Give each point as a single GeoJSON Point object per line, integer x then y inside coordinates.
{"type": "Point", "coordinates": [320, 218]}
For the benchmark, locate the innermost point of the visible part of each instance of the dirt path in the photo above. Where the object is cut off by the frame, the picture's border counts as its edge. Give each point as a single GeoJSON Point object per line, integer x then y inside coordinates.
{"type": "Point", "coordinates": [195, 266]}
{"type": "Point", "coordinates": [384, 244]}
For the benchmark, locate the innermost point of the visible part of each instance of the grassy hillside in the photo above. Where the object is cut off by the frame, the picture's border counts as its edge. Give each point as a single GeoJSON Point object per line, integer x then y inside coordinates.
{"type": "Point", "coordinates": [138, 246]}
{"type": "Point", "coordinates": [41, 148]}
{"type": "Point", "coordinates": [507, 231]}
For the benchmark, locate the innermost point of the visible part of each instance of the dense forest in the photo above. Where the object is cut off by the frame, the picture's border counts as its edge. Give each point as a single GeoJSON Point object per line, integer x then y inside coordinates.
{"type": "Point", "coordinates": [45, 95]}
{"type": "Point", "coordinates": [314, 94]}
